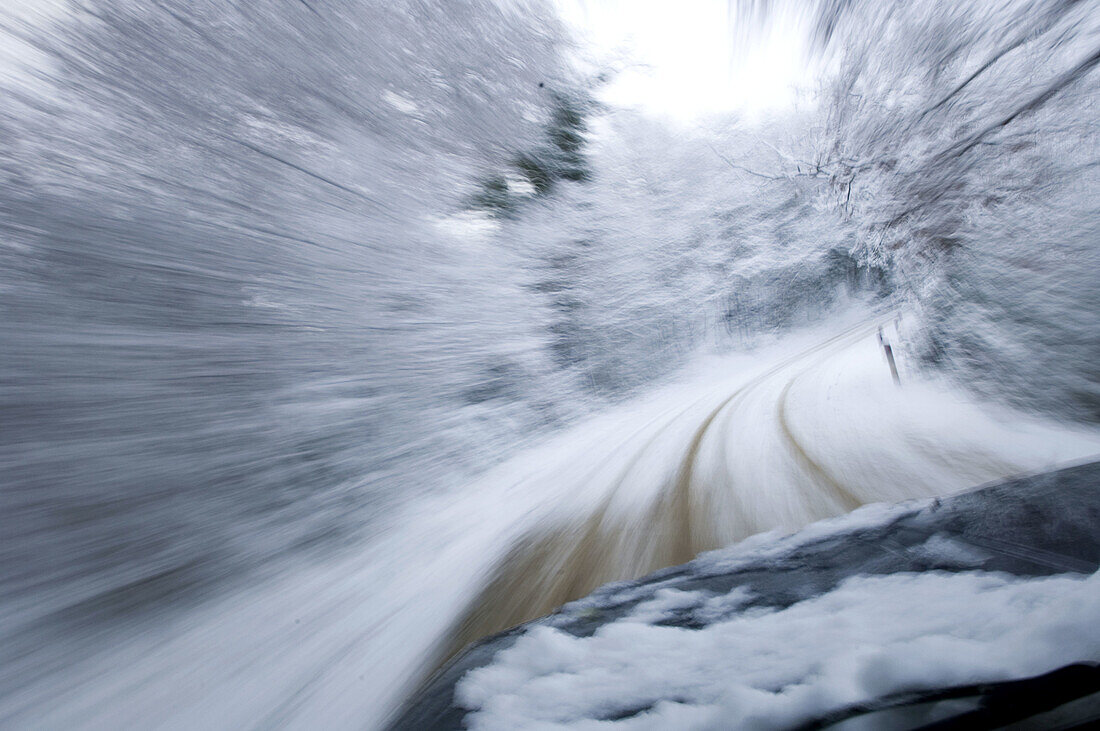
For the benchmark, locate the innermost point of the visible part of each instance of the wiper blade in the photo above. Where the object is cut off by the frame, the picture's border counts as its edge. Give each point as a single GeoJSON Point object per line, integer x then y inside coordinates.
{"type": "Point", "coordinates": [998, 704]}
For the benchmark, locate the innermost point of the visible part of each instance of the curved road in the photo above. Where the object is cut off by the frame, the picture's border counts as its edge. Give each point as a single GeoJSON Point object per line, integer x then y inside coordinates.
{"type": "Point", "coordinates": [781, 439]}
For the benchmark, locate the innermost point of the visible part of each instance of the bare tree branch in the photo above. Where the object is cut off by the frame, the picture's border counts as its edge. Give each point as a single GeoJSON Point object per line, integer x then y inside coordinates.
{"type": "Point", "coordinates": [1078, 71]}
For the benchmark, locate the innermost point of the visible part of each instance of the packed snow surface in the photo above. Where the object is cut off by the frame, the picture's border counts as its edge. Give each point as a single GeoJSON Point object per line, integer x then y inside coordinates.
{"type": "Point", "coordinates": [809, 428]}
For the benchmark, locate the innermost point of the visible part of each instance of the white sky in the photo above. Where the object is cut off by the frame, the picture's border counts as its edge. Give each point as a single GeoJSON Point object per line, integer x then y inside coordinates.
{"type": "Point", "coordinates": [681, 59]}
{"type": "Point", "coordinates": [688, 59]}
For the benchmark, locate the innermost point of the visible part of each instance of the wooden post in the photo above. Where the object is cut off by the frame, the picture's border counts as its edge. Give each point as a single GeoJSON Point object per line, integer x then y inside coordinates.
{"type": "Point", "coordinates": [889, 355]}
{"type": "Point", "coordinates": [890, 360]}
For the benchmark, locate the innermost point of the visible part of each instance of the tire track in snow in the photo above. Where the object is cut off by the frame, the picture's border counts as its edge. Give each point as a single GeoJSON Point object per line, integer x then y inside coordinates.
{"type": "Point", "coordinates": [802, 457]}
{"type": "Point", "coordinates": [550, 566]}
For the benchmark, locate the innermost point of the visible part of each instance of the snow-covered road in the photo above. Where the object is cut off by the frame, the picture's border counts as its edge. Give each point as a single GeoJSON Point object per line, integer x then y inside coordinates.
{"type": "Point", "coordinates": [804, 437]}
{"type": "Point", "coordinates": [809, 428]}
